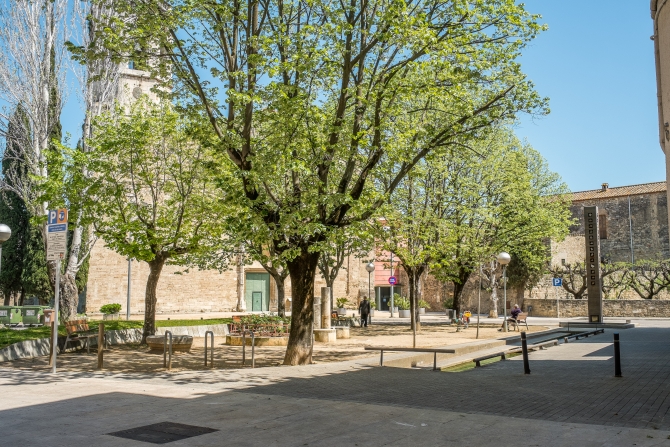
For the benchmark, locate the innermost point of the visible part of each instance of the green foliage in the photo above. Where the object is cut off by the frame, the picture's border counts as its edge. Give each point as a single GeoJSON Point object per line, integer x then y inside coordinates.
{"type": "Point", "coordinates": [264, 319]}
{"type": "Point", "coordinates": [315, 117]}
{"type": "Point", "coordinates": [424, 304]}
{"type": "Point", "coordinates": [401, 302]}
{"type": "Point", "coordinates": [373, 304]}
{"type": "Point", "coordinates": [448, 303]}
{"type": "Point", "coordinates": [342, 302]}
{"type": "Point", "coordinates": [35, 275]}
{"type": "Point", "coordinates": [110, 308]}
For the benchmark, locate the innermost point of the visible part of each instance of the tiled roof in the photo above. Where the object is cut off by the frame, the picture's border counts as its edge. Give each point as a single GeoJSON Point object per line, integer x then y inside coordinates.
{"type": "Point", "coordinates": [619, 191]}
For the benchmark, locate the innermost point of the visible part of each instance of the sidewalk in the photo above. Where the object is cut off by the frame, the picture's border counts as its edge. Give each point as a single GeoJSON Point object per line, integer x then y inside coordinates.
{"type": "Point", "coordinates": [571, 398]}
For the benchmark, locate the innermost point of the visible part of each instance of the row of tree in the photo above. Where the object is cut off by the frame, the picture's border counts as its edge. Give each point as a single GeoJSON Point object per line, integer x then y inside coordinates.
{"type": "Point", "coordinates": [648, 279]}
{"type": "Point", "coordinates": [287, 129]}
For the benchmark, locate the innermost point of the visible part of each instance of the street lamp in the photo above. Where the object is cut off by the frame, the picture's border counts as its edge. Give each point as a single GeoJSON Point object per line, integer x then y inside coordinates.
{"type": "Point", "coordinates": [370, 268]}
{"type": "Point", "coordinates": [5, 234]}
{"type": "Point", "coordinates": [503, 259]}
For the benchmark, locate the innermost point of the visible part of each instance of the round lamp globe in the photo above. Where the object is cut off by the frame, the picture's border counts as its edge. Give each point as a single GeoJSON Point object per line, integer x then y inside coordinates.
{"type": "Point", "coordinates": [504, 258]}
{"type": "Point", "coordinates": [5, 233]}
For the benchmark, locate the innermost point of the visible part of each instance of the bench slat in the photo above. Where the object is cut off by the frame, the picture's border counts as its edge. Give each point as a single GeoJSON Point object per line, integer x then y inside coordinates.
{"type": "Point", "coordinates": [438, 350]}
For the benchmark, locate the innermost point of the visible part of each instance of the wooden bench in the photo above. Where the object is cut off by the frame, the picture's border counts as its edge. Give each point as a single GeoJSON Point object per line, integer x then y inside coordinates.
{"type": "Point", "coordinates": [520, 319]}
{"type": "Point", "coordinates": [79, 330]}
{"type": "Point", "coordinates": [435, 351]}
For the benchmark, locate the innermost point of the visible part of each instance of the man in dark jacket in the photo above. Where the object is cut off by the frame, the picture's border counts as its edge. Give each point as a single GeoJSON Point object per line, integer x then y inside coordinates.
{"type": "Point", "coordinates": [364, 309]}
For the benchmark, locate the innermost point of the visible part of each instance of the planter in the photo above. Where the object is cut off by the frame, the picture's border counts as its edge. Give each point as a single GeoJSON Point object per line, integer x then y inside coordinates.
{"type": "Point", "coordinates": [180, 343]}
{"type": "Point", "coordinates": [422, 310]}
{"type": "Point", "coordinates": [395, 310]}
{"type": "Point", "coordinates": [110, 316]}
{"type": "Point", "coordinates": [372, 312]}
{"type": "Point", "coordinates": [341, 311]}
{"type": "Point", "coordinates": [404, 313]}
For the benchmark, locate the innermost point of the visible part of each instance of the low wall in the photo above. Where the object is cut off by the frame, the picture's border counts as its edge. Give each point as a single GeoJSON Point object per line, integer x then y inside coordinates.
{"type": "Point", "coordinates": [611, 308]}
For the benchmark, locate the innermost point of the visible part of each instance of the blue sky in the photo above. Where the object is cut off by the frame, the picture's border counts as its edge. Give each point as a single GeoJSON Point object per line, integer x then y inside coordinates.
{"type": "Point", "coordinates": [596, 64]}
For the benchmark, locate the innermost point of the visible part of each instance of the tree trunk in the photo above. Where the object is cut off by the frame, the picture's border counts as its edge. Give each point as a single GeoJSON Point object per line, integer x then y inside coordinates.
{"type": "Point", "coordinates": [241, 302]}
{"type": "Point", "coordinates": [281, 298]}
{"type": "Point", "coordinates": [69, 297]}
{"type": "Point", "coordinates": [414, 277]}
{"type": "Point", "coordinates": [150, 299]}
{"type": "Point", "coordinates": [302, 270]}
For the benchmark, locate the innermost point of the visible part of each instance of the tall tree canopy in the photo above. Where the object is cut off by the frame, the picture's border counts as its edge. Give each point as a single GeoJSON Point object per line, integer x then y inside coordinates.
{"type": "Point", "coordinates": [313, 103]}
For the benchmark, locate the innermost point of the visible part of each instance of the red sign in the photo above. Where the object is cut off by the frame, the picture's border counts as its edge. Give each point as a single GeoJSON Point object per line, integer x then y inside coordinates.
{"type": "Point", "coordinates": [393, 280]}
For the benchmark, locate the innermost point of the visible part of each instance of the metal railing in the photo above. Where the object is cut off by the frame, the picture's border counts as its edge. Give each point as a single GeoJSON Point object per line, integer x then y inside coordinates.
{"type": "Point", "coordinates": [211, 349]}
{"type": "Point", "coordinates": [244, 348]}
{"type": "Point", "coordinates": [167, 363]}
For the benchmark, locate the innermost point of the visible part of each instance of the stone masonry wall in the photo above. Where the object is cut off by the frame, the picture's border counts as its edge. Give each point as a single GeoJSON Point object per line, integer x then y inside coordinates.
{"type": "Point", "coordinates": [611, 308]}
{"type": "Point", "coordinates": [649, 219]}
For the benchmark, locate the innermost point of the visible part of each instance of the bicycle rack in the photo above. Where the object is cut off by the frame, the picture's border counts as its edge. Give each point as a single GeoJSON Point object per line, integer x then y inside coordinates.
{"type": "Point", "coordinates": [211, 349]}
{"type": "Point", "coordinates": [244, 348]}
{"type": "Point", "coordinates": [167, 363]}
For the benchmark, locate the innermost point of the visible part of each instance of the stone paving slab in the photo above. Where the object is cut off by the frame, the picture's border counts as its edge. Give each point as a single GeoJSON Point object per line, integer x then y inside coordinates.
{"type": "Point", "coordinates": [571, 398]}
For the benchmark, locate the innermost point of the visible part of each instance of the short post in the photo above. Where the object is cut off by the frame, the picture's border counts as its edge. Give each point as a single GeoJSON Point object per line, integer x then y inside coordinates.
{"type": "Point", "coordinates": [617, 356]}
{"type": "Point", "coordinates": [167, 363]}
{"type": "Point", "coordinates": [101, 341]}
{"type": "Point", "coordinates": [51, 351]}
{"type": "Point", "coordinates": [211, 349]}
{"type": "Point", "coordinates": [253, 347]}
{"type": "Point", "coordinates": [524, 349]}
{"type": "Point", "coordinates": [325, 308]}
{"type": "Point", "coordinates": [244, 346]}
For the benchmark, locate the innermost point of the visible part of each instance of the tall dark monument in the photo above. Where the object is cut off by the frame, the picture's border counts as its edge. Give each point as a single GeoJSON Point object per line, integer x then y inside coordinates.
{"type": "Point", "coordinates": [593, 285]}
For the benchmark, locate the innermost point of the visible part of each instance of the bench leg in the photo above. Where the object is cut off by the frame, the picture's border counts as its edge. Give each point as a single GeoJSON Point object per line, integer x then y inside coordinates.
{"type": "Point", "coordinates": [381, 358]}
{"type": "Point", "coordinates": [477, 364]}
{"type": "Point", "coordinates": [502, 357]}
{"type": "Point", "coordinates": [434, 361]}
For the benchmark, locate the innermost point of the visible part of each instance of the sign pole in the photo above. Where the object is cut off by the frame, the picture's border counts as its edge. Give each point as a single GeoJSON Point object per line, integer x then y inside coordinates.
{"type": "Point", "coordinates": [56, 306]}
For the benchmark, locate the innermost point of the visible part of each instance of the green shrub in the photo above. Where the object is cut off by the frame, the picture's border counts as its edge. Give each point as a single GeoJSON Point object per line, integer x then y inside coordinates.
{"type": "Point", "coordinates": [424, 304]}
{"type": "Point", "coordinates": [342, 302]}
{"type": "Point", "coordinates": [373, 304]}
{"type": "Point", "coordinates": [110, 308]}
{"type": "Point", "coordinates": [448, 303]}
{"type": "Point", "coordinates": [401, 303]}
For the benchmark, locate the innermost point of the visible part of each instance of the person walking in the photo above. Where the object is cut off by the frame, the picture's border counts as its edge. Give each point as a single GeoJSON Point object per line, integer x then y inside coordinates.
{"type": "Point", "coordinates": [364, 310]}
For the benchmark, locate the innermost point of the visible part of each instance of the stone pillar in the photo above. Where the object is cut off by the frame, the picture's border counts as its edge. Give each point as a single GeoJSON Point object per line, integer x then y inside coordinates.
{"type": "Point", "coordinates": [593, 280]}
{"type": "Point", "coordinates": [317, 313]}
{"type": "Point", "coordinates": [326, 311]}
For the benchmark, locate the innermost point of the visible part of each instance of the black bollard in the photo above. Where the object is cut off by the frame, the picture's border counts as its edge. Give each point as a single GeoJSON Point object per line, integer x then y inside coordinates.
{"type": "Point", "coordinates": [524, 349]}
{"type": "Point", "coordinates": [617, 356]}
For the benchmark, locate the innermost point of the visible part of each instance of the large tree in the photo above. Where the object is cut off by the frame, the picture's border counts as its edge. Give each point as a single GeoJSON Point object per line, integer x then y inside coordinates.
{"type": "Point", "coordinates": [503, 197]}
{"type": "Point", "coordinates": [315, 102]}
{"type": "Point", "coordinates": [148, 190]}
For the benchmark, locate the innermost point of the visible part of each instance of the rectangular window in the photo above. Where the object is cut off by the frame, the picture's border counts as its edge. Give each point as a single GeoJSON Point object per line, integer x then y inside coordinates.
{"type": "Point", "coordinates": [602, 223]}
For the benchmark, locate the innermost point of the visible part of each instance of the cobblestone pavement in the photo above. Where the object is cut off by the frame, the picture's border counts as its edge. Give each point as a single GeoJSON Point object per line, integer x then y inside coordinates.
{"type": "Point", "coordinates": [570, 399]}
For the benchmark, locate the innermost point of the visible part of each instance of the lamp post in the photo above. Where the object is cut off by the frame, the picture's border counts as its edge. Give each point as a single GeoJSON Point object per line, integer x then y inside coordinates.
{"type": "Point", "coordinates": [130, 263]}
{"type": "Point", "coordinates": [392, 285]}
{"type": "Point", "coordinates": [503, 259]}
{"type": "Point", "coordinates": [370, 268]}
{"type": "Point", "coordinates": [5, 234]}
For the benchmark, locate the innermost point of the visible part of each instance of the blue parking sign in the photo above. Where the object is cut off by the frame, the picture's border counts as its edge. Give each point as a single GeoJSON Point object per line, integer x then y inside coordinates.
{"type": "Point", "coordinates": [558, 282]}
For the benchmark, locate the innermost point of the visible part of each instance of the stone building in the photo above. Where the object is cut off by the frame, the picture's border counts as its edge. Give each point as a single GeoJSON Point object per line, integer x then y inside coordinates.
{"type": "Point", "coordinates": [660, 14]}
{"type": "Point", "coordinates": [633, 224]}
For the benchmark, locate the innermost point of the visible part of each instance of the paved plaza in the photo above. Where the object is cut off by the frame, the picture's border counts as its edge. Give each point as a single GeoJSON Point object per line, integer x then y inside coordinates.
{"type": "Point", "coordinates": [571, 399]}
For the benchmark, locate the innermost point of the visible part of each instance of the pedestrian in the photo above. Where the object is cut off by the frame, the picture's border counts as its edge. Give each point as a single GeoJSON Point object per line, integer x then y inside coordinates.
{"type": "Point", "coordinates": [364, 309]}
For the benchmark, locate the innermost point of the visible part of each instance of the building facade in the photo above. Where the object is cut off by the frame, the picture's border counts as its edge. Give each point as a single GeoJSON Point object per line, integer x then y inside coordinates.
{"type": "Point", "coordinates": [660, 14]}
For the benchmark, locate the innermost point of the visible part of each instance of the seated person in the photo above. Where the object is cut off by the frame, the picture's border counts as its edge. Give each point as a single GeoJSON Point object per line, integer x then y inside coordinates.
{"type": "Point", "coordinates": [514, 315]}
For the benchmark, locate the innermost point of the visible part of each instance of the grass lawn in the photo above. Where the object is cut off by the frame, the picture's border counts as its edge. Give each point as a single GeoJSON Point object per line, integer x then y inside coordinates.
{"type": "Point", "coordinates": [11, 336]}
{"type": "Point", "coordinates": [467, 366]}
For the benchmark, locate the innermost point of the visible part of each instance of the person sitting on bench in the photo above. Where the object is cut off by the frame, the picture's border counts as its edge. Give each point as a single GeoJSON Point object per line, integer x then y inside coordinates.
{"type": "Point", "coordinates": [514, 314]}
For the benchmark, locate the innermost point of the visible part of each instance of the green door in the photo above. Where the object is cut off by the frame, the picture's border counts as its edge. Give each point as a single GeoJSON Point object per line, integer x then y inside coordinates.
{"type": "Point", "coordinates": [257, 292]}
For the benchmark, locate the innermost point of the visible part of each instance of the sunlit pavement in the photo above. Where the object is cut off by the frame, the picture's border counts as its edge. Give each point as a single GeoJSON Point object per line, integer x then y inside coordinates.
{"type": "Point", "coordinates": [571, 398]}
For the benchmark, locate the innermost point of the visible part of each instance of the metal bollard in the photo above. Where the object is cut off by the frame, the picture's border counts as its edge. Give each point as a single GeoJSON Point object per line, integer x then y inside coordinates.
{"type": "Point", "coordinates": [524, 349]}
{"type": "Point", "coordinates": [211, 350]}
{"type": "Point", "coordinates": [253, 348]}
{"type": "Point", "coordinates": [617, 356]}
{"type": "Point", "coordinates": [167, 363]}
{"type": "Point", "coordinates": [101, 344]}
{"type": "Point", "coordinates": [244, 348]}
